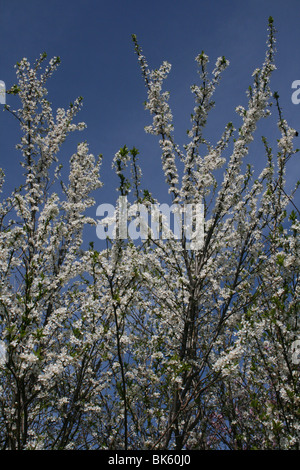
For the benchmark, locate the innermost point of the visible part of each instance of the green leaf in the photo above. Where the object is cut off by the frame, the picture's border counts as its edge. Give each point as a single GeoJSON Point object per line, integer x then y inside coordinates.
{"type": "Point", "coordinates": [15, 89]}
{"type": "Point", "coordinates": [280, 260]}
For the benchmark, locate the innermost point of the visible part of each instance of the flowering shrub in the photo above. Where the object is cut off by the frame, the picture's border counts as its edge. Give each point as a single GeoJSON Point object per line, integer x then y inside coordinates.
{"type": "Point", "coordinates": [150, 345]}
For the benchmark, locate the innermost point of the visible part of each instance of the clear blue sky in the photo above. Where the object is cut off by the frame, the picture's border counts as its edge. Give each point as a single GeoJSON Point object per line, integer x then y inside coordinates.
{"type": "Point", "coordinates": [93, 39]}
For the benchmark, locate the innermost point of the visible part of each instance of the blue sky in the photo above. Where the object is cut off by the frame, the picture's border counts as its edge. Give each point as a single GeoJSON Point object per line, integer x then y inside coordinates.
{"type": "Point", "coordinates": [93, 39]}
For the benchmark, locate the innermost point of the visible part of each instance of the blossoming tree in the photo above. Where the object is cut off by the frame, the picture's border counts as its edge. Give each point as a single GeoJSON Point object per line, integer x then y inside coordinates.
{"type": "Point", "coordinates": [151, 345]}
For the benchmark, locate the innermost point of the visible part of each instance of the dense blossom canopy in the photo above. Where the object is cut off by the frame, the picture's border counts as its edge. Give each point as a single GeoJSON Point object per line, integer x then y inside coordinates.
{"type": "Point", "coordinates": [150, 345]}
